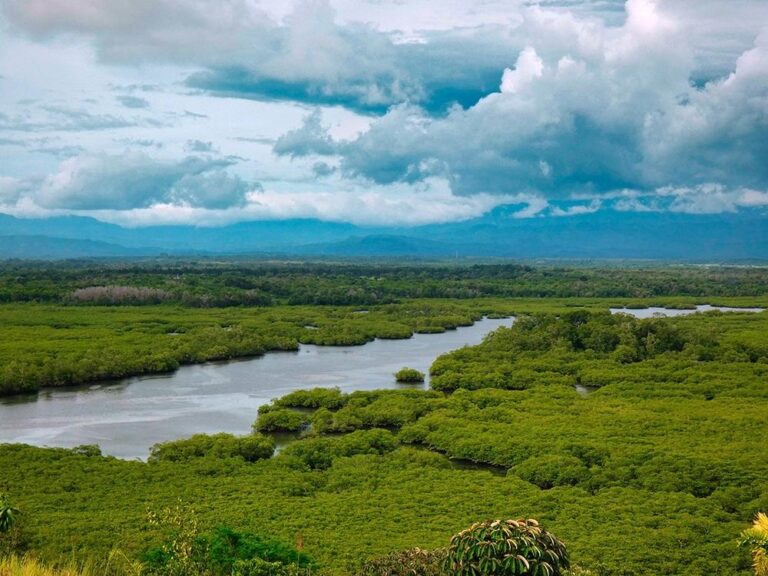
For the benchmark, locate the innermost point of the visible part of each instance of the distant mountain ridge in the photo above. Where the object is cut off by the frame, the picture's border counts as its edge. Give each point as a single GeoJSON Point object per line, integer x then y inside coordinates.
{"type": "Point", "coordinates": [51, 248]}
{"type": "Point", "coordinates": [599, 235]}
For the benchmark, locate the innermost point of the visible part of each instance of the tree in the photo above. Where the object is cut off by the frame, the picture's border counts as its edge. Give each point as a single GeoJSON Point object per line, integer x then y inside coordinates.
{"type": "Point", "coordinates": [756, 538]}
{"type": "Point", "coordinates": [9, 526]}
{"type": "Point", "coordinates": [8, 514]}
{"type": "Point", "coordinates": [506, 548]}
{"type": "Point", "coordinates": [409, 376]}
{"type": "Point", "coordinates": [179, 554]}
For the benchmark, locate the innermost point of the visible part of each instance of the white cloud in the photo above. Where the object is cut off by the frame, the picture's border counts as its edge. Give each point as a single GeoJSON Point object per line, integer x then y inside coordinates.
{"type": "Point", "coordinates": [576, 210]}
{"type": "Point", "coordinates": [594, 110]}
{"type": "Point", "coordinates": [196, 199]}
{"type": "Point", "coordinates": [527, 68]}
{"type": "Point", "coordinates": [135, 180]}
{"type": "Point", "coordinates": [592, 100]}
{"type": "Point", "coordinates": [712, 199]}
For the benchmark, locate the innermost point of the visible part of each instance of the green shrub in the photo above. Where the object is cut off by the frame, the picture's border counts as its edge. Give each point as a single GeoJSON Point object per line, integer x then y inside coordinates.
{"type": "Point", "coordinates": [259, 567]}
{"type": "Point", "coordinates": [506, 548]}
{"type": "Point", "coordinates": [318, 453]}
{"type": "Point", "coordinates": [281, 420]}
{"type": "Point", "coordinates": [552, 470]}
{"type": "Point", "coordinates": [409, 376]}
{"type": "Point", "coordinates": [249, 448]}
{"type": "Point", "coordinates": [90, 450]}
{"type": "Point", "coordinates": [8, 513]}
{"type": "Point", "coordinates": [330, 398]}
{"type": "Point", "coordinates": [414, 562]}
{"type": "Point", "coordinates": [228, 548]}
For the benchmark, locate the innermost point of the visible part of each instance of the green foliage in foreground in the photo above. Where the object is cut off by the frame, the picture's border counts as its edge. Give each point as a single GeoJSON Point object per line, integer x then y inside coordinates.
{"type": "Point", "coordinates": [506, 548]}
{"type": "Point", "coordinates": [187, 551]}
{"type": "Point", "coordinates": [756, 539]}
{"type": "Point", "coordinates": [8, 514]}
{"type": "Point", "coordinates": [656, 472]}
{"type": "Point", "coordinates": [413, 497]}
{"type": "Point", "coordinates": [414, 562]}
{"type": "Point", "coordinates": [409, 376]}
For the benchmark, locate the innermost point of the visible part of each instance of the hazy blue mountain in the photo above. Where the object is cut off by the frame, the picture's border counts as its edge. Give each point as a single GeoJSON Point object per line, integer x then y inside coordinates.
{"type": "Point", "coordinates": [241, 237]}
{"type": "Point", "coordinates": [378, 245]}
{"type": "Point", "coordinates": [604, 234]}
{"type": "Point", "coordinates": [50, 248]}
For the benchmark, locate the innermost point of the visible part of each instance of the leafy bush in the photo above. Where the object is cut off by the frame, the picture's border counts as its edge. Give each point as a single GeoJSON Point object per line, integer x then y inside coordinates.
{"type": "Point", "coordinates": [330, 398]}
{"type": "Point", "coordinates": [188, 552]}
{"type": "Point", "coordinates": [506, 548]}
{"type": "Point", "coordinates": [8, 514]}
{"type": "Point", "coordinates": [89, 450]}
{"type": "Point", "coordinates": [756, 539]}
{"type": "Point", "coordinates": [318, 453]}
{"type": "Point", "coordinates": [228, 549]}
{"type": "Point", "coordinates": [249, 448]}
{"type": "Point", "coordinates": [281, 420]}
{"type": "Point", "coordinates": [259, 567]}
{"type": "Point", "coordinates": [409, 376]}
{"type": "Point", "coordinates": [552, 470]}
{"type": "Point", "coordinates": [414, 562]}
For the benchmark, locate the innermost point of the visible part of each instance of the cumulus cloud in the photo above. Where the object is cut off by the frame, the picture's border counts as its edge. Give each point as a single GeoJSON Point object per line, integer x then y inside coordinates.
{"type": "Point", "coordinates": [135, 180]}
{"type": "Point", "coordinates": [310, 138]}
{"type": "Point", "coordinates": [527, 68]}
{"type": "Point", "coordinates": [556, 99]}
{"type": "Point", "coordinates": [304, 50]}
{"type": "Point", "coordinates": [427, 203]}
{"type": "Point", "coordinates": [306, 56]}
{"type": "Point", "coordinates": [710, 199]}
{"type": "Point", "coordinates": [590, 111]}
{"type": "Point", "coordinates": [142, 30]}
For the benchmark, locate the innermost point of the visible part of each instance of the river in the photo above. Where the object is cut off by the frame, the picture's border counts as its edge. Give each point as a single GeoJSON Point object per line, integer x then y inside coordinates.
{"type": "Point", "coordinates": [654, 311]}
{"type": "Point", "coordinates": [126, 417]}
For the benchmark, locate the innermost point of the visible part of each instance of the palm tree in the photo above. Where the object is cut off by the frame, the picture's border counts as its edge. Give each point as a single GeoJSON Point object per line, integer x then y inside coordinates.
{"type": "Point", "coordinates": [8, 513]}
{"type": "Point", "coordinates": [756, 538]}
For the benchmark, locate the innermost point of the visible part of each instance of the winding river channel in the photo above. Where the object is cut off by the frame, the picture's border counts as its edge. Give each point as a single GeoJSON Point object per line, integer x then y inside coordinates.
{"type": "Point", "coordinates": [126, 417]}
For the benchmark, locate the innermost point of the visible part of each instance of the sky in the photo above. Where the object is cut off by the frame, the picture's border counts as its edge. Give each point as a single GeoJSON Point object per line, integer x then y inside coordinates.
{"type": "Point", "coordinates": [381, 112]}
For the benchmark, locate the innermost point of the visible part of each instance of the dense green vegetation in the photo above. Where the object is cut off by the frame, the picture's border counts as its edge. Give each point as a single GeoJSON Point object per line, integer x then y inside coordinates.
{"type": "Point", "coordinates": [56, 345]}
{"type": "Point", "coordinates": [60, 320]}
{"type": "Point", "coordinates": [248, 448]}
{"type": "Point", "coordinates": [657, 471]}
{"type": "Point", "coordinates": [211, 283]}
{"type": "Point", "coordinates": [640, 443]}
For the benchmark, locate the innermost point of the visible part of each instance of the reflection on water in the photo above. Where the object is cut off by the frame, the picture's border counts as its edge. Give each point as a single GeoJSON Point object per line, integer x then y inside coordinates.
{"type": "Point", "coordinates": [655, 311]}
{"type": "Point", "coordinates": [127, 417]}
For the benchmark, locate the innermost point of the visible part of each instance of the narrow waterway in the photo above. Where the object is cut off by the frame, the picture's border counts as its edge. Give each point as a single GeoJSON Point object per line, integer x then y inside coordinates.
{"type": "Point", "coordinates": [667, 312]}
{"type": "Point", "coordinates": [127, 417]}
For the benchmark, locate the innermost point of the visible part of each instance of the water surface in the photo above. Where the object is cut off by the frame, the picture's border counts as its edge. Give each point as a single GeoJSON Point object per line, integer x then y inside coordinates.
{"type": "Point", "coordinates": [127, 417]}
{"type": "Point", "coordinates": [655, 311]}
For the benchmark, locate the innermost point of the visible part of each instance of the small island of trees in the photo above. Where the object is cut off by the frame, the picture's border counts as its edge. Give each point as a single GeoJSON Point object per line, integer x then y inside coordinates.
{"type": "Point", "coordinates": [409, 376]}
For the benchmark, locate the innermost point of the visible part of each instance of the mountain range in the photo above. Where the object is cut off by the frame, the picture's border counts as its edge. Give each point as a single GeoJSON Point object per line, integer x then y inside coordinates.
{"type": "Point", "coordinates": [605, 234]}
